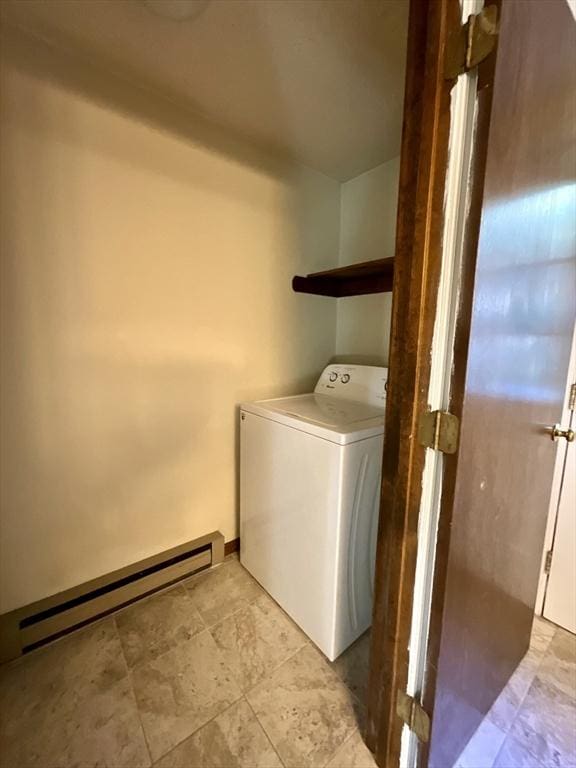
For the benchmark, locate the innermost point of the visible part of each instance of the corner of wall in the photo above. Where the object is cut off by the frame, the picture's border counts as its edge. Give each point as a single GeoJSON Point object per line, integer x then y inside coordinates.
{"type": "Point", "coordinates": [368, 204]}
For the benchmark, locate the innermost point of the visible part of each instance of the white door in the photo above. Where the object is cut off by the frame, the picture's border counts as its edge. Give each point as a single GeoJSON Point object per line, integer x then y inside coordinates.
{"type": "Point", "coordinates": [560, 597]}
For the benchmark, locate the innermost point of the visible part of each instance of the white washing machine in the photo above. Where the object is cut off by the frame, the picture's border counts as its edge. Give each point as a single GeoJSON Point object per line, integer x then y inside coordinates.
{"type": "Point", "coordinates": [309, 500]}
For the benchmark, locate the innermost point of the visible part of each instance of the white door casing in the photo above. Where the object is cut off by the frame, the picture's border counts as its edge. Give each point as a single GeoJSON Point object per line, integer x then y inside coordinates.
{"type": "Point", "coordinates": [557, 589]}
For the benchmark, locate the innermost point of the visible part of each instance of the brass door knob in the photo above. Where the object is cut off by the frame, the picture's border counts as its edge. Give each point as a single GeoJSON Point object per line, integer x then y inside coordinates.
{"type": "Point", "coordinates": [557, 432]}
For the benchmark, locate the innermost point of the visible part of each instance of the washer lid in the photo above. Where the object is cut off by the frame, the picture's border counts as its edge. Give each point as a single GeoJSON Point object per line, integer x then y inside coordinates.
{"type": "Point", "coordinates": [331, 412]}
{"type": "Point", "coordinates": [341, 421]}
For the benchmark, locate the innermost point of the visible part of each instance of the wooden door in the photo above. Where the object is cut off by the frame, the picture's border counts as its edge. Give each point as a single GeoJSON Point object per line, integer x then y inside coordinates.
{"type": "Point", "coordinates": [514, 359]}
{"type": "Point", "coordinates": [517, 302]}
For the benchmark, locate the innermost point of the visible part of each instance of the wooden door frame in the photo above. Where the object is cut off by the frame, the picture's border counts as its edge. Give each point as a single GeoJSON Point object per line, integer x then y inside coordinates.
{"type": "Point", "coordinates": [418, 260]}
{"type": "Point", "coordinates": [486, 71]}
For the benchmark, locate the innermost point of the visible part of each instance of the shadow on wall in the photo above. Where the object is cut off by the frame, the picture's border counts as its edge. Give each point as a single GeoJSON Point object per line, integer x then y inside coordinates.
{"type": "Point", "coordinates": [146, 270]}
{"type": "Point", "coordinates": [360, 359]}
{"type": "Point", "coordinates": [76, 73]}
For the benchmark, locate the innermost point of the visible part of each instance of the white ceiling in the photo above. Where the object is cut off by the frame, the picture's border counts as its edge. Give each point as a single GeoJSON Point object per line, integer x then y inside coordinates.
{"type": "Point", "coordinates": [320, 80]}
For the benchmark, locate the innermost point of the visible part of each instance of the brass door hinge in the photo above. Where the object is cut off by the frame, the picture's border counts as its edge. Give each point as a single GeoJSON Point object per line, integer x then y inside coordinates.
{"type": "Point", "coordinates": [439, 430]}
{"type": "Point", "coordinates": [572, 398]}
{"type": "Point", "coordinates": [471, 43]}
{"type": "Point", "coordinates": [413, 714]}
{"type": "Point", "coordinates": [548, 561]}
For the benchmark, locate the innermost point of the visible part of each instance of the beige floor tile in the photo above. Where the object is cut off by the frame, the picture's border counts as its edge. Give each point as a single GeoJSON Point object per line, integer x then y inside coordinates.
{"type": "Point", "coordinates": [305, 709]}
{"type": "Point", "coordinates": [543, 627]}
{"type": "Point", "coordinates": [153, 626]}
{"type": "Point", "coordinates": [90, 659]}
{"type": "Point", "coordinates": [182, 690]}
{"type": "Point", "coordinates": [353, 754]}
{"type": "Point", "coordinates": [558, 666]}
{"type": "Point", "coordinates": [515, 755]}
{"type": "Point", "coordinates": [256, 640]}
{"type": "Point", "coordinates": [539, 643]}
{"type": "Point", "coordinates": [234, 739]}
{"type": "Point", "coordinates": [353, 666]}
{"type": "Point", "coordinates": [542, 633]}
{"type": "Point", "coordinates": [564, 645]}
{"type": "Point", "coordinates": [71, 704]}
{"type": "Point", "coordinates": [222, 591]}
{"type": "Point", "coordinates": [101, 730]}
{"type": "Point", "coordinates": [545, 725]}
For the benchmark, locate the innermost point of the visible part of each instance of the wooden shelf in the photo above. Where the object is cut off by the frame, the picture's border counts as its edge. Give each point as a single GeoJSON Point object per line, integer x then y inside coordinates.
{"type": "Point", "coordinates": [353, 280]}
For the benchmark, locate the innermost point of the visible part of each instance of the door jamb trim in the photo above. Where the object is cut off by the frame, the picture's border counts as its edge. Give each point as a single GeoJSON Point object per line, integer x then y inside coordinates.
{"type": "Point", "coordinates": [456, 196]}
{"type": "Point", "coordinates": [424, 161]}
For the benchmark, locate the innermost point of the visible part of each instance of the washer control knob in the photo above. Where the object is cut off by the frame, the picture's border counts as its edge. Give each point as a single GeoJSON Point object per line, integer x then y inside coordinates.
{"type": "Point", "coordinates": [345, 378]}
{"type": "Point", "coordinates": [333, 376]}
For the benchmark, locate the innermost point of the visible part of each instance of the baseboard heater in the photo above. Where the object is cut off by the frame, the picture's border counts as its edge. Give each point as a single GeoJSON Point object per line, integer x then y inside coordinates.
{"type": "Point", "coordinates": [25, 628]}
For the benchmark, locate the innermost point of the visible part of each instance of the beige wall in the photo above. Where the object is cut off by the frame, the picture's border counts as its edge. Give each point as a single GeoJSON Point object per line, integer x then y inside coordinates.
{"type": "Point", "coordinates": [145, 293]}
{"type": "Point", "coordinates": [367, 232]}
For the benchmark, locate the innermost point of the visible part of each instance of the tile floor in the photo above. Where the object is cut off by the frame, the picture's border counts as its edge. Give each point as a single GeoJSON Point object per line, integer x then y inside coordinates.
{"type": "Point", "coordinates": [213, 674]}
{"type": "Point", "coordinates": [210, 673]}
{"type": "Point", "coordinates": [533, 722]}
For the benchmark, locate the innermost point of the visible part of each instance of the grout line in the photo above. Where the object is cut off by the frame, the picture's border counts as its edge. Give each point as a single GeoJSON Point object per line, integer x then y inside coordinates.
{"type": "Point", "coordinates": [266, 734]}
{"type": "Point", "coordinates": [309, 644]}
{"type": "Point", "coordinates": [273, 671]}
{"type": "Point", "coordinates": [121, 644]}
{"type": "Point", "coordinates": [305, 642]}
{"type": "Point", "coordinates": [341, 746]}
{"type": "Point", "coordinates": [151, 659]}
{"type": "Point", "coordinates": [194, 732]}
{"type": "Point", "coordinates": [141, 723]}
{"type": "Point", "coordinates": [205, 628]}
{"type": "Point", "coordinates": [269, 674]}
{"type": "Point", "coordinates": [277, 667]}
{"type": "Point", "coordinates": [501, 748]}
{"type": "Point", "coordinates": [349, 736]}
{"type": "Point", "coordinates": [133, 691]}
{"type": "Point", "coordinates": [232, 613]}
